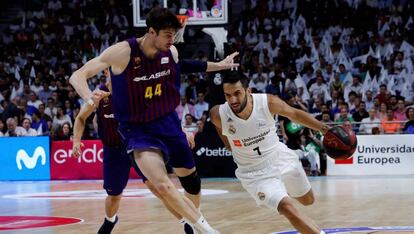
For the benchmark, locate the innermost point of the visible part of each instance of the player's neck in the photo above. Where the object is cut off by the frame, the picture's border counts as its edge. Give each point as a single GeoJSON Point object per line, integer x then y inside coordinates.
{"type": "Point", "coordinates": [147, 47]}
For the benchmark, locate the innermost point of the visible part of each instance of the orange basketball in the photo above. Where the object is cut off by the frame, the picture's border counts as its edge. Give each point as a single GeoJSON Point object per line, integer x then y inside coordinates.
{"type": "Point", "coordinates": [340, 143]}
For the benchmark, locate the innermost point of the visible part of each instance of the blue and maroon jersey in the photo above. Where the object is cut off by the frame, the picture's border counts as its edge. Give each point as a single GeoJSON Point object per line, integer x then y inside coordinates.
{"type": "Point", "coordinates": [147, 89]}
{"type": "Point", "coordinates": [107, 125]}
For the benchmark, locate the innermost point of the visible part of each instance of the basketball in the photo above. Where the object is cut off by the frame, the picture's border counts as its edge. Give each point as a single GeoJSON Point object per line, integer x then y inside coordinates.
{"type": "Point", "coordinates": [339, 142]}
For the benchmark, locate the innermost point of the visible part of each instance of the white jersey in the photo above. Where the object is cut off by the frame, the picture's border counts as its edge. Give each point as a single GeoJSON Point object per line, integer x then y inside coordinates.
{"type": "Point", "coordinates": [253, 140]}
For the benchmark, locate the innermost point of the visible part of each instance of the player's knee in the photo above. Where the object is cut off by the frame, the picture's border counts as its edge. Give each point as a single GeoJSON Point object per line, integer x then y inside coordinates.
{"type": "Point", "coordinates": [191, 183]}
{"type": "Point", "coordinates": [287, 208]}
{"type": "Point", "coordinates": [163, 188]}
{"type": "Point", "coordinates": [115, 198]}
{"type": "Point", "coordinates": [308, 199]}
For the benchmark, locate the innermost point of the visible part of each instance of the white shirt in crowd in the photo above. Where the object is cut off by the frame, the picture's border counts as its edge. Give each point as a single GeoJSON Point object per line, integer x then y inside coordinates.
{"type": "Point", "coordinates": [200, 108]}
{"type": "Point", "coordinates": [368, 124]}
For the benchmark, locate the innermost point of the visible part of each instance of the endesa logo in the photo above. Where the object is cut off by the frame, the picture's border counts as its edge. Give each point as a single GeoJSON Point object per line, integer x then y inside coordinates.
{"type": "Point", "coordinates": [24, 158]}
{"type": "Point", "coordinates": [87, 166]}
{"type": "Point", "coordinates": [89, 155]}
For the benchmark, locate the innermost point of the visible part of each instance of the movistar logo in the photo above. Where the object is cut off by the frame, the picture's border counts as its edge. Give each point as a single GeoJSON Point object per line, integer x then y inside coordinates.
{"type": "Point", "coordinates": [153, 76]}
{"type": "Point", "coordinates": [30, 161]}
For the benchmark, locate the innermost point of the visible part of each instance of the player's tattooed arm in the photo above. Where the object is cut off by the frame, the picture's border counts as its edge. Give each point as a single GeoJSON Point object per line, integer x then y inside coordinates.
{"type": "Point", "coordinates": [215, 119]}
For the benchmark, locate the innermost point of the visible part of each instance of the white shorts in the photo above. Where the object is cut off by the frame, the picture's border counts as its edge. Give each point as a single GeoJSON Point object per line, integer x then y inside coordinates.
{"type": "Point", "coordinates": [280, 175]}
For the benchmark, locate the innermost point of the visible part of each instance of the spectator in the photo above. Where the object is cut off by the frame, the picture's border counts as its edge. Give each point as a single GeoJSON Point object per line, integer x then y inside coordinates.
{"type": "Point", "coordinates": [356, 87]}
{"type": "Point", "coordinates": [388, 125]}
{"type": "Point", "coordinates": [347, 124]}
{"type": "Point", "coordinates": [61, 118]}
{"type": "Point", "coordinates": [367, 124]}
{"type": "Point", "coordinates": [33, 101]}
{"type": "Point", "coordinates": [368, 99]}
{"type": "Point", "coordinates": [400, 113]}
{"type": "Point", "coordinates": [409, 125]}
{"type": "Point", "coordinates": [201, 106]}
{"type": "Point", "coordinates": [2, 129]}
{"type": "Point", "coordinates": [276, 86]}
{"type": "Point", "coordinates": [184, 108]}
{"type": "Point", "coordinates": [361, 113]}
{"type": "Point", "coordinates": [64, 133]}
{"type": "Point", "coordinates": [337, 84]}
{"type": "Point", "coordinates": [382, 113]}
{"type": "Point", "coordinates": [45, 93]}
{"type": "Point", "coordinates": [39, 124]}
{"type": "Point", "coordinates": [12, 129]}
{"type": "Point", "coordinates": [51, 109]}
{"type": "Point", "coordinates": [383, 94]}
{"type": "Point", "coordinates": [27, 130]}
{"type": "Point", "coordinates": [189, 127]}
{"type": "Point", "coordinates": [344, 115]}
{"type": "Point", "coordinates": [318, 88]}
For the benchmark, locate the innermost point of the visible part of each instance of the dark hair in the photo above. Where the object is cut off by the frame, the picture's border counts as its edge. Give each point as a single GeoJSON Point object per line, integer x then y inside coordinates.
{"type": "Point", "coordinates": [408, 110]}
{"type": "Point", "coordinates": [162, 18]}
{"type": "Point", "coordinates": [234, 77]}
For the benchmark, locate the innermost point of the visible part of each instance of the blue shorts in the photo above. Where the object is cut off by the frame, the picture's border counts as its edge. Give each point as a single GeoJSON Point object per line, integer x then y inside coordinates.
{"type": "Point", "coordinates": [164, 134]}
{"type": "Point", "coordinates": [116, 167]}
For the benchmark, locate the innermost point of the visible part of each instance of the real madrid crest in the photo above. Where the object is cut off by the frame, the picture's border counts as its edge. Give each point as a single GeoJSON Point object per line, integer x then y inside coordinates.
{"type": "Point", "coordinates": [261, 196]}
{"type": "Point", "coordinates": [232, 129]}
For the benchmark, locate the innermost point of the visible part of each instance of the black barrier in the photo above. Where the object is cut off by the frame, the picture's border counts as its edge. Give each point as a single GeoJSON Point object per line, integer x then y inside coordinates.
{"type": "Point", "coordinates": [211, 157]}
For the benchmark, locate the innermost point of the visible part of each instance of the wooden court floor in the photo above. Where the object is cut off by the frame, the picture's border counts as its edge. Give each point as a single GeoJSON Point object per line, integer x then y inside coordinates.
{"type": "Point", "coordinates": [340, 202]}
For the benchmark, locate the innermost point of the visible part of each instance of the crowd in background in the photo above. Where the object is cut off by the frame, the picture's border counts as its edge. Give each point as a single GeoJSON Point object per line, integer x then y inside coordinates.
{"type": "Point", "coordinates": [343, 61]}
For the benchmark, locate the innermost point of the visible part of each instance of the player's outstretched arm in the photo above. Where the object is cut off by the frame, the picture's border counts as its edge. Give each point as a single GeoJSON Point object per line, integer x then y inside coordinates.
{"type": "Point", "coordinates": [215, 119]}
{"type": "Point", "coordinates": [279, 107]}
{"type": "Point", "coordinates": [79, 127]}
{"type": "Point", "coordinates": [116, 56]}
{"type": "Point", "coordinates": [225, 64]}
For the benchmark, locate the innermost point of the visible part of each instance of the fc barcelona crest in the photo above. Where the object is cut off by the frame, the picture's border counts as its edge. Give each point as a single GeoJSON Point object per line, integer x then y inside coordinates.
{"type": "Point", "coordinates": [137, 62]}
{"type": "Point", "coordinates": [232, 129]}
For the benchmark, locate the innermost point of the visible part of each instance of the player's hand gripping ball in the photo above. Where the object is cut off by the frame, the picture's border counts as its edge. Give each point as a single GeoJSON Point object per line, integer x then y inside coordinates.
{"type": "Point", "coordinates": [339, 142]}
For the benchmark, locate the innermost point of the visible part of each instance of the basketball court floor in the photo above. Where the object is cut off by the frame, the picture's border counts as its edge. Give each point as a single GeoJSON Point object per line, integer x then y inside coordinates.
{"type": "Point", "coordinates": [343, 204]}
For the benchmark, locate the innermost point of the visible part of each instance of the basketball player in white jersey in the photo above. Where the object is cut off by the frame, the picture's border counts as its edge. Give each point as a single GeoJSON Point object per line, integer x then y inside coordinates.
{"type": "Point", "coordinates": [267, 169]}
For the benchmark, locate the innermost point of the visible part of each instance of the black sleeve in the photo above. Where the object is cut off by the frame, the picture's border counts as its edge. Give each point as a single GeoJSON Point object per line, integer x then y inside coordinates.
{"type": "Point", "coordinates": [192, 66]}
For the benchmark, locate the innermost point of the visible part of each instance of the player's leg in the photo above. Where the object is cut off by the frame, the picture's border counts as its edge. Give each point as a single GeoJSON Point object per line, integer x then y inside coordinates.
{"type": "Point", "coordinates": [187, 227]}
{"type": "Point", "coordinates": [116, 167]}
{"type": "Point", "coordinates": [182, 161]}
{"type": "Point", "coordinates": [191, 183]}
{"type": "Point", "coordinates": [300, 221]}
{"type": "Point", "coordinates": [152, 166]}
{"type": "Point", "coordinates": [297, 186]}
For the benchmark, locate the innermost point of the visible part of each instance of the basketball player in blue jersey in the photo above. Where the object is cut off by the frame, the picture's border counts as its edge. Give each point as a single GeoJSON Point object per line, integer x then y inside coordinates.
{"type": "Point", "coordinates": [266, 168]}
{"type": "Point", "coordinates": [116, 162]}
{"type": "Point", "coordinates": [145, 91]}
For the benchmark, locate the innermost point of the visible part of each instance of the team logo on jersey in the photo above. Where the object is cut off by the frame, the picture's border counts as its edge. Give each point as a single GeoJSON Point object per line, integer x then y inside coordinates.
{"type": "Point", "coordinates": [261, 196]}
{"type": "Point", "coordinates": [165, 60]}
{"type": "Point", "coordinates": [137, 62]}
{"type": "Point", "coordinates": [232, 129]}
{"type": "Point", "coordinates": [153, 76]}
{"type": "Point", "coordinates": [237, 143]}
